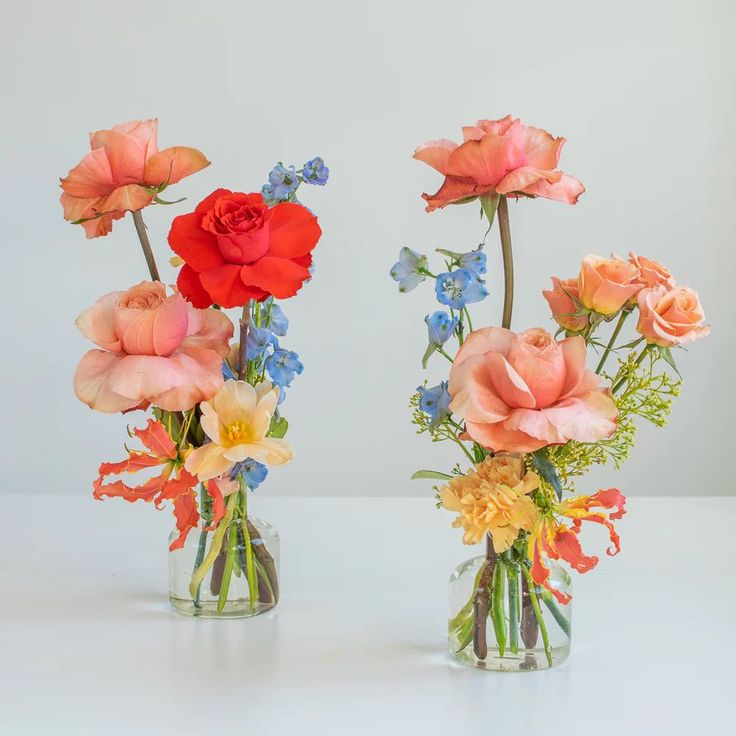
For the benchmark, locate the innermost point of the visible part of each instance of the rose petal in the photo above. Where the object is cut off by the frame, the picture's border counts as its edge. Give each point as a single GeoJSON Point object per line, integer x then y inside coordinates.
{"type": "Point", "coordinates": [294, 231]}
{"type": "Point", "coordinates": [91, 383]}
{"type": "Point", "coordinates": [173, 164]}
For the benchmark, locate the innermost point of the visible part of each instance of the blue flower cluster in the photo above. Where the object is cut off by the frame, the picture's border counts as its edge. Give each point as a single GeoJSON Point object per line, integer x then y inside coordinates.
{"type": "Point", "coordinates": [435, 402]}
{"type": "Point", "coordinates": [262, 346]}
{"type": "Point", "coordinates": [283, 181]}
{"type": "Point", "coordinates": [461, 285]}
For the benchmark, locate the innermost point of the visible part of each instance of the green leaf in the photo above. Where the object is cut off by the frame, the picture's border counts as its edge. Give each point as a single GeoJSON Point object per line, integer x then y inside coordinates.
{"type": "Point", "coordinates": [630, 345]}
{"type": "Point", "coordinates": [489, 205]}
{"type": "Point", "coordinates": [548, 471]}
{"type": "Point", "coordinates": [430, 349]}
{"type": "Point", "coordinates": [666, 355]}
{"type": "Point", "coordinates": [430, 474]}
{"type": "Point", "coordinates": [278, 428]}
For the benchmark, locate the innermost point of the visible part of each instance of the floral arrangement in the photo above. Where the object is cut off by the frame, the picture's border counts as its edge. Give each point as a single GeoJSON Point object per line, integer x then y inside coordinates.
{"type": "Point", "coordinates": [214, 408]}
{"type": "Point", "coordinates": [526, 411]}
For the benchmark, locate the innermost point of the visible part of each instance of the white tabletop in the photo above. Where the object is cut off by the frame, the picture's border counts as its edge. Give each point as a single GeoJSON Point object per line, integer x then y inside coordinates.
{"type": "Point", "coordinates": [357, 644]}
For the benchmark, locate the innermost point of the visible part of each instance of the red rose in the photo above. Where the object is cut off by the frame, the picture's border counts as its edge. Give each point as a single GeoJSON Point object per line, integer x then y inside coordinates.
{"type": "Point", "coordinates": [236, 248]}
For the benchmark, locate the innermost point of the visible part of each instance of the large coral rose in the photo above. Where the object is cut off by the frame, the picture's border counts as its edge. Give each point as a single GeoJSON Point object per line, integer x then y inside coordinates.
{"type": "Point", "coordinates": [521, 392]}
{"type": "Point", "coordinates": [236, 248]}
{"type": "Point", "coordinates": [155, 348]}
{"type": "Point", "coordinates": [124, 172]}
{"type": "Point", "coordinates": [671, 317]}
{"type": "Point", "coordinates": [499, 157]}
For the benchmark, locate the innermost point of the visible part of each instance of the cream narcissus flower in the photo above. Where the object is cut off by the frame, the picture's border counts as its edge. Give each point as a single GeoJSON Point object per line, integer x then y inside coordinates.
{"type": "Point", "coordinates": [236, 421]}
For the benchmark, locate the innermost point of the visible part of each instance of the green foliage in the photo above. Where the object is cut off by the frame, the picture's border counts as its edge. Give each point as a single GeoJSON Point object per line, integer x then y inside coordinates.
{"type": "Point", "coordinates": [644, 393]}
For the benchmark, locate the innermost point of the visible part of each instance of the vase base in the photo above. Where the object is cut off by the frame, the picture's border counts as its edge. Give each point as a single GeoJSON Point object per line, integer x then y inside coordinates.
{"type": "Point", "coordinates": [208, 609]}
{"type": "Point", "coordinates": [526, 660]}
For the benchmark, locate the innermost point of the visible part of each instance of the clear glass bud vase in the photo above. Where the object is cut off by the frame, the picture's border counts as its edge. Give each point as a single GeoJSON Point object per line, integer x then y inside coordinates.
{"type": "Point", "coordinates": [231, 571]}
{"type": "Point", "coordinates": [500, 620]}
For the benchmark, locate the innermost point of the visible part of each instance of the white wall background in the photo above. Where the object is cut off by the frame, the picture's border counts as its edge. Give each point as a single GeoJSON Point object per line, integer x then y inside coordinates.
{"type": "Point", "coordinates": [644, 92]}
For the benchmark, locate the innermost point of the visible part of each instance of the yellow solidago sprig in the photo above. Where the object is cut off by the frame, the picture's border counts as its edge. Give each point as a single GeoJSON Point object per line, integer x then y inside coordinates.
{"type": "Point", "coordinates": [645, 393]}
{"type": "Point", "coordinates": [493, 499]}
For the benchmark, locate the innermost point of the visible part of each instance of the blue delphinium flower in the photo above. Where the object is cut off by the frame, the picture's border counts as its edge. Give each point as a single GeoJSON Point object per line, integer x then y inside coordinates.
{"type": "Point", "coordinates": [282, 183]}
{"type": "Point", "coordinates": [315, 172]}
{"type": "Point", "coordinates": [440, 326]}
{"type": "Point", "coordinates": [435, 402]}
{"type": "Point", "coordinates": [268, 196]}
{"type": "Point", "coordinates": [276, 320]}
{"type": "Point", "coordinates": [259, 340]}
{"type": "Point", "coordinates": [408, 269]}
{"type": "Point", "coordinates": [458, 288]}
{"type": "Point", "coordinates": [283, 366]}
{"type": "Point", "coordinates": [474, 261]}
{"type": "Point", "coordinates": [254, 473]}
{"type": "Point", "coordinates": [227, 372]}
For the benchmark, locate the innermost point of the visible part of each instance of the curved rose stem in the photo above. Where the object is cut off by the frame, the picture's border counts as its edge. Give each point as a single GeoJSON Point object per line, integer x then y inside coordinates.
{"type": "Point", "coordinates": [242, 359]}
{"type": "Point", "coordinates": [508, 262]}
{"type": "Point", "coordinates": [140, 228]}
{"type": "Point", "coordinates": [612, 341]}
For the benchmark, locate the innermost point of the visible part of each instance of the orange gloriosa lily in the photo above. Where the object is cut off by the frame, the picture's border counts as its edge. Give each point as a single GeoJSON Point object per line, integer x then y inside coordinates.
{"type": "Point", "coordinates": [173, 483]}
{"type": "Point", "coordinates": [555, 540]}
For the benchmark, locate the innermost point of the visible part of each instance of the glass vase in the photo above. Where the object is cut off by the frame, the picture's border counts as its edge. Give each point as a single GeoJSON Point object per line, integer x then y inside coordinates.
{"type": "Point", "coordinates": [500, 620]}
{"type": "Point", "coordinates": [231, 571]}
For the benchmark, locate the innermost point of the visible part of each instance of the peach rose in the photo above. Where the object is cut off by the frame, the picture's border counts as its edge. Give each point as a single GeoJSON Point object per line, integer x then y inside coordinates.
{"type": "Point", "coordinates": [521, 392]}
{"type": "Point", "coordinates": [670, 317]}
{"type": "Point", "coordinates": [561, 299]}
{"type": "Point", "coordinates": [155, 348]}
{"type": "Point", "coordinates": [120, 172]}
{"type": "Point", "coordinates": [651, 273]}
{"type": "Point", "coordinates": [606, 284]}
{"type": "Point", "coordinates": [499, 157]}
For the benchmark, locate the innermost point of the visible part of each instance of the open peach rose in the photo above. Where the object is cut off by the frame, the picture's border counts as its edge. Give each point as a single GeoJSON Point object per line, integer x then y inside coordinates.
{"type": "Point", "coordinates": [123, 172]}
{"type": "Point", "coordinates": [670, 317]}
{"type": "Point", "coordinates": [154, 348]}
{"type": "Point", "coordinates": [561, 299]}
{"type": "Point", "coordinates": [651, 273]}
{"type": "Point", "coordinates": [499, 157]}
{"type": "Point", "coordinates": [522, 392]}
{"type": "Point", "coordinates": [606, 284]}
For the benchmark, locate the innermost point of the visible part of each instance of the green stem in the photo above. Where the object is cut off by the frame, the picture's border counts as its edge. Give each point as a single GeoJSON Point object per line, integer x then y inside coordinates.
{"type": "Point", "coordinates": [140, 228]}
{"type": "Point", "coordinates": [498, 616]}
{"type": "Point", "coordinates": [215, 547]}
{"type": "Point", "coordinates": [441, 351]}
{"type": "Point", "coordinates": [470, 321]}
{"type": "Point", "coordinates": [249, 558]}
{"type": "Point", "coordinates": [228, 571]}
{"type": "Point", "coordinates": [554, 609]}
{"type": "Point", "coordinates": [538, 612]}
{"type": "Point", "coordinates": [202, 544]}
{"type": "Point", "coordinates": [641, 357]}
{"type": "Point", "coordinates": [508, 262]}
{"type": "Point", "coordinates": [242, 354]}
{"type": "Point", "coordinates": [460, 444]}
{"type": "Point", "coordinates": [612, 341]}
{"type": "Point", "coordinates": [512, 574]}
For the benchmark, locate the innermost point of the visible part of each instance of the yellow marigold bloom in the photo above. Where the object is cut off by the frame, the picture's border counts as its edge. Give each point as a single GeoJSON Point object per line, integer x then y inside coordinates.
{"type": "Point", "coordinates": [492, 499]}
{"type": "Point", "coordinates": [236, 421]}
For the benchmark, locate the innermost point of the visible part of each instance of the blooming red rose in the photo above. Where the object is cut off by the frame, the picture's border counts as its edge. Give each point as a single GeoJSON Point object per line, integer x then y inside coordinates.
{"type": "Point", "coordinates": [236, 248]}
